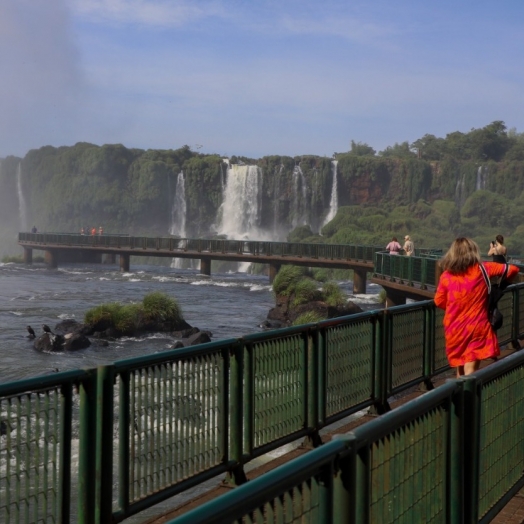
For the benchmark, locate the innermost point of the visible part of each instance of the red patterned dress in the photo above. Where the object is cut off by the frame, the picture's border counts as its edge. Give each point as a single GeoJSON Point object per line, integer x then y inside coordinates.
{"type": "Point", "coordinates": [469, 336]}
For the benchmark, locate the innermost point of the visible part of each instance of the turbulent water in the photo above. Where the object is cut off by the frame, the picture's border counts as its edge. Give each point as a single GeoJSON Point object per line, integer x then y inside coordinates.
{"type": "Point", "coordinates": [228, 305]}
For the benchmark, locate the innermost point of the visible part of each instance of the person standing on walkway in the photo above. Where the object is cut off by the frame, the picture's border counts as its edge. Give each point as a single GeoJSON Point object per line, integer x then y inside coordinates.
{"type": "Point", "coordinates": [409, 247]}
{"type": "Point", "coordinates": [463, 294]}
{"type": "Point", "coordinates": [498, 250]}
{"type": "Point", "coordinates": [394, 247]}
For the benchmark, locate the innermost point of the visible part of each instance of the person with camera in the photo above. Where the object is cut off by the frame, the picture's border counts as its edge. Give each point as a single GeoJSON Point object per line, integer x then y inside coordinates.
{"type": "Point", "coordinates": [498, 250]}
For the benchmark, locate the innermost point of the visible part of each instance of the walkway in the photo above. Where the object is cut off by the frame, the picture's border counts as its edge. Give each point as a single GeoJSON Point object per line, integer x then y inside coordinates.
{"type": "Point", "coordinates": [513, 512]}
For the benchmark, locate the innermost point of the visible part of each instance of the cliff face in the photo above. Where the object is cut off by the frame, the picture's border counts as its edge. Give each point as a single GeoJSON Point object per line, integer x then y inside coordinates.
{"type": "Point", "coordinates": [133, 191]}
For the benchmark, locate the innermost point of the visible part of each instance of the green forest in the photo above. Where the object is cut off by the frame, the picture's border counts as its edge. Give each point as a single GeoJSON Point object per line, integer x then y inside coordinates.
{"type": "Point", "coordinates": [433, 189]}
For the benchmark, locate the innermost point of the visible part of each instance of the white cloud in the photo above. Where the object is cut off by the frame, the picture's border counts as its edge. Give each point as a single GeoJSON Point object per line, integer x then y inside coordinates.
{"type": "Point", "coordinates": [152, 13]}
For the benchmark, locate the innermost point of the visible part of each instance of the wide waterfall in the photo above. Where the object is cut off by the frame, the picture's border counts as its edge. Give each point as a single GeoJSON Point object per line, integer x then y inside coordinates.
{"type": "Point", "coordinates": [241, 208]}
{"type": "Point", "coordinates": [22, 210]}
{"type": "Point", "coordinates": [333, 203]}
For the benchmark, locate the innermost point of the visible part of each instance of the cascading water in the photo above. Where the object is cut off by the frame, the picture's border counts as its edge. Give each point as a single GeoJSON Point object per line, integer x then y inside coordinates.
{"type": "Point", "coordinates": [242, 203]}
{"type": "Point", "coordinates": [460, 191]}
{"type": "Point", "coordinates": [178, 212]}
{"type": "Point", "coordinates": [178, 217]}
{"type": "Point", "coordinates": [22, 210]}
{"type": "Point", "coordinates": [276, 203]}
{"type": "Point", "coordinates": [333, 203]}
{"type": "Point", "coordinates": [482, 178]}
{"type": "Point", "coordinates": [300, 208]}
{"type": "Point", "coordinates": [240, 212]}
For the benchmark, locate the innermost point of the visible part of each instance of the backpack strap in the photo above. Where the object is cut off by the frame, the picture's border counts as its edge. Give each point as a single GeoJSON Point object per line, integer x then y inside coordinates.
{"type": "Point", "coordinates": [486, 277]}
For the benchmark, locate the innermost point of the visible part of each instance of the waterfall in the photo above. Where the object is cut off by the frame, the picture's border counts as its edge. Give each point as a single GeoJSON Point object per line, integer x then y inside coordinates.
{"type": "Point", "coordinates": [300, 211]}
{"type": "Point", "coordinates": [178, 212]}
{"type": "Point", "coordinates": [242, 203]}
{"type": "Point", "coordinates": [22, 211]}
{"type": "Point", "coordinates": [178, 219]}
{"type": "Point", "coordinates": [276, 203]}
{"type": "Point", "coordinates": [482, 177]}
{"type": "Point", "coordinates": [333, 203]}
{"type": "Point", "coordinates": [460, 191]}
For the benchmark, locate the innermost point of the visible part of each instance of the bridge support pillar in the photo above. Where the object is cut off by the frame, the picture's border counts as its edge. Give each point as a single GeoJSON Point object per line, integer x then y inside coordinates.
{"type": "Point", "coordinates": [359, 281]}
{"type": "Point", "coordinates": [28, 255]}
{"type": "Point", "coordinates": [205, 266]}
{"type": "Point", "coordinates": [273, 270]}
{"type": "Point", "coordinates": [394, 298]}
{"type": "Point", "coordinates": [50, 258]}
{"type": "Point", "coordinates": [124, 263]}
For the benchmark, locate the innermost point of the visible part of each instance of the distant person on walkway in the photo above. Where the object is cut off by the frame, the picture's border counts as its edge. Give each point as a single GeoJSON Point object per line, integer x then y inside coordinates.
{"type": "Point", "coordinates": [93, 231]}
{"type": "Point", "coordinates": [498, 250]}
{"type": "Point", "coordinates": [463, 294]}
{"type": "Point", "coordinates": [82, 231]}
{"type": "Point", "coordinates": [34, 230]}
{"type": "Point", "coordinates": [100, 230]}
{"type": "Point", "coordinates": [394, 247]}
{"type": "Point", "coordinates": [409, 247]}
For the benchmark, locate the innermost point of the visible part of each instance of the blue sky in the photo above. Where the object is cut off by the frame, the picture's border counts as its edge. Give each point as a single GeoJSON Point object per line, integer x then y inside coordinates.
{"type": "Point", "coordinates": [255, 78]}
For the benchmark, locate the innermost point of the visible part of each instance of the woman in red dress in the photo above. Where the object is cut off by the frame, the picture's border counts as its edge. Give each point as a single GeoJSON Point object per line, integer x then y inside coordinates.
{"type": "Point", "coordinates": [463, 294]}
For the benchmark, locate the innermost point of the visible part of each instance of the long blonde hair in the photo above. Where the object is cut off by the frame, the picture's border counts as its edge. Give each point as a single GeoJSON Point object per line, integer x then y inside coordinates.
{"type": "Point", "coordinates": [462, 254]}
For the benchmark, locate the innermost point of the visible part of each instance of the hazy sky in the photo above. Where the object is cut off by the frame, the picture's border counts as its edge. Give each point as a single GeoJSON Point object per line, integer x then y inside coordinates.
{"type": "Point", "coordinates": [255, 77]}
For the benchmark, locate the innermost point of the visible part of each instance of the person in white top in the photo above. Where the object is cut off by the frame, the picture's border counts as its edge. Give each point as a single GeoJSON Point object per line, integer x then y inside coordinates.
{"type": "Point", "coordinates": [409, 247]}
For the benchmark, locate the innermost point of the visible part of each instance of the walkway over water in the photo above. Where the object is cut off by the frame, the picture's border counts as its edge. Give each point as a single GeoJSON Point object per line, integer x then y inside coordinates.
{"type": "Point", "coordinates": [359, 258]}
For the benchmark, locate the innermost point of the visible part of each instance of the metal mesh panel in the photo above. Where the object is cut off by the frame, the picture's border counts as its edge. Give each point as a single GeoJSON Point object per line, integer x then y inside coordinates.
{"type": "Point", "coordinates": [408, 472]}
{"type": "Point", "coordinates": [505, 306]}
{"type": "Point", "coordinates": [407, 346]}
{"type": "Point", "coordinates": [299, 504]}
{"type": "Point", "coordinates": [349, 366]}
{"type": "Point", "coordinates": [416, 275]}
{"type": "Point", "coordinates": [175, 423]}
{"type": "Point", "coordinates": [521, 310]}
{"type": "Point", "coordinates": [279, 388]}
{"type": "Point", "coordinates": [441, 359]}
{"type": "Point", "coordinates": [501, 445]}
{"type": "Point", "coordinates": [30, 443]}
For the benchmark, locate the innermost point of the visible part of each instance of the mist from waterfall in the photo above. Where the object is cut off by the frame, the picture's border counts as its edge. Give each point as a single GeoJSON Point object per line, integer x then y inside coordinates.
{"type": "Point", "coordinates": [482, 178]}
{"type": "Point", "coordinates": [333, 203]}
{"type": "Point", "coordinates": [300, 208]}
{"type": "Point", "coordinates": [22, 210]}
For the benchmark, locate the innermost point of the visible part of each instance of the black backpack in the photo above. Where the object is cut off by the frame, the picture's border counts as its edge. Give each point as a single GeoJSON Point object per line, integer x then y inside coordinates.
{"type": "Point", "coordinates": [495, 291]}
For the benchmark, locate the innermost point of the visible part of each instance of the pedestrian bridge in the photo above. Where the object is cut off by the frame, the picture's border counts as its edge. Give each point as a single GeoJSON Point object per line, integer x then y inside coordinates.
{"type": "Point", "coordinates": [59, 247]}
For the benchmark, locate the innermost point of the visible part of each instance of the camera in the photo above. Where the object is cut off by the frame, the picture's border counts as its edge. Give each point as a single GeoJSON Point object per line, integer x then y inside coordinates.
{"type": "Point", "coordinates": [493, 242]}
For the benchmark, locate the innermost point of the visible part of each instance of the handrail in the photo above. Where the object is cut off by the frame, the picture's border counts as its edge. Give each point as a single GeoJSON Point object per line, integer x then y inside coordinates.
{"type": "Point", "coordinates": [184, 416]}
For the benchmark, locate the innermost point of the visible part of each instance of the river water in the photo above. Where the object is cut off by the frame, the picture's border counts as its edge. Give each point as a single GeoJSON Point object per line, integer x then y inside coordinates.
{"type": "Point", "coordinates": [227, 304]}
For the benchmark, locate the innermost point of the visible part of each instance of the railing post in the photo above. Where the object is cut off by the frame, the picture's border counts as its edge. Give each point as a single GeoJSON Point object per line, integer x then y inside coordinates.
{"type": "Point", "coordinates": [87, 450]}
{"type": "Point", "coordinates": [104, 445]}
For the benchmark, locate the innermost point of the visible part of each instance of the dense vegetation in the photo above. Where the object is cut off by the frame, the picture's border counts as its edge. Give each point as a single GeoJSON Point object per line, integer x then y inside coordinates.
{"type": "Point", "coordinates": [156, 312]}
{"type": "Point", "coordinates": [435, 188]}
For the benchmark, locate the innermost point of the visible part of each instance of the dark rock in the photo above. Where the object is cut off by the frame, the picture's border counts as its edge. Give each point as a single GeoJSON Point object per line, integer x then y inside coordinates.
{"type": "Point", "coordinates": [184, 333]}
{"type": "Point", "coordinates": [197, 338]}
{"type": "Point", "coordinates": [76, 341]}
{"type": "Point", "coordinates": [101, 343]}
{"type": "Point", "coordinates": [178, 344]}
{"type": "Point", "coordinates": [48, 342]}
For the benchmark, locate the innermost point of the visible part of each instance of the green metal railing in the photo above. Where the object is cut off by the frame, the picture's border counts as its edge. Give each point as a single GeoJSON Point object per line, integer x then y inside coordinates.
{"type": "Point", "coordinates": [151, 427]}
{"type": "Point", "coordinates": [198, 245]}
{"type": "Point", "coordinates": [420, 270]}
{"type": "Point", "coordinates": [453, 455]}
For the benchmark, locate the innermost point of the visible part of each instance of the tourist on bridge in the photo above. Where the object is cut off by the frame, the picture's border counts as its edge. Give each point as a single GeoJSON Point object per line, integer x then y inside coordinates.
{"type": "Point", "coordinates": [409, 247]}
{"type": "Point", "coordinates": [462, 293]}
{"type": "Point", "coordinates": [394, 247]}
{"type": "Point", "coordinates": [93, 231]}
{"type": "Point", "coordinates": [34, 230]}
{"type": "Point", "coordinates": [100, 230]}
